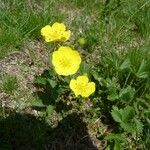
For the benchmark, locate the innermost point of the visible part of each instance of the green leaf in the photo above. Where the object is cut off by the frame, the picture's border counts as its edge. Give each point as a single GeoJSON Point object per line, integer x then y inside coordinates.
{"type": "Point", "coordinates": [108, 147]}
{"type": "Point", "coordinates": [116, 114]}
{"type": "Point", "coordinates": [113, 95]}
{"type": "Point", "coordinates": [40, 80]}
{"type": "Point", "coordinates": [85, 68]}
{"type": "Point", "coordinates": [112, 83]}
{"type": "Point", "coordinates": [118, 146]}
{"type": "Point", "coordinates": [49, 110]}
{"type": "Point", "coordinates": [127, 94]}
{"type": "Point", "coordinates": [52, 83]}
{"type": "Point", "coordinates": [37, 103]}
{"type": "Point", "coordinates": [96, 76]}
{"type": "Point", "coordinates": [115, 137]}
{"type": "Point", "coordinates": [113, 88]}
{"type": "Point", "coordinates": [142, 75]}
{"type": "Point", "coordinates": [127, 113]}
{"type": "Point", "coordinates": [146, 113]}
{"type": "Point", "coordinates": [125, 64]}
{"type": "Point", "coordinates": [141, 103]}
{"type": "Point", "coordinates": [142, 72]}
{"type": "Point", "coordinates": [128, 127]}
{"type": "Point", "coordinates": [139, 126]}
{"type": "Point", "coordinates": [124, 116]}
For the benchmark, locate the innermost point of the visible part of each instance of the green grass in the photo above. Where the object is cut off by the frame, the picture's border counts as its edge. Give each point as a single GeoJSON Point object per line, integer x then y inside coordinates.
{"type": "Point", "coordinates": [9, 84]}
{"type": "Point", "coordinates": [21, 20]}
{"type": "Point", "coordinates": [111, 23]}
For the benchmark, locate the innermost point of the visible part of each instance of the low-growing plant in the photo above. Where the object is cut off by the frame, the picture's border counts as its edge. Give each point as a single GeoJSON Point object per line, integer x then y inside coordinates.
{"type": "Point", "coordinates": [117, 86]}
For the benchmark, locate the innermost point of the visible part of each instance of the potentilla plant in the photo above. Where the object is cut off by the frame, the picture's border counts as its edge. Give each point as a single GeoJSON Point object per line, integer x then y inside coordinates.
{"type": "Point", "coordinates": [66, 61]}
{"type": "Point", "coordinates": [63, 75]}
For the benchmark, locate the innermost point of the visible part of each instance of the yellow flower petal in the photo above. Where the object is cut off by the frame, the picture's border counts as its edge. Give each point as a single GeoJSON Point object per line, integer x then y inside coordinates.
{"type": "Point", "coordinates": [45, 31]}
{"type": "Point", "coordinates": [48, 39]}
{"type": "Point", "coordinates": [73, 84]}
{"type": "Point", "coordinates": [82, 79]}
{"type": "Point", "coordinates": [66, 35]}
{"type": "Point", "coordinates": [90, 88]}
{"type": "Point", "coordinates": [66, 71]}
{"type": "Point", "coordinates": [55, 57]}
{"type": "Point", "coordinates": [58, 26]}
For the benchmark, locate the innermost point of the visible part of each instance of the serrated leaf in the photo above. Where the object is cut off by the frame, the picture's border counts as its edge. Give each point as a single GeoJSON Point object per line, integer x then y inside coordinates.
{"type": "Point", "coordinates": [125, 64]}
{"type": "Point", "coordinates": [128, 127]}
{"type": "Point", "coordinates": [116, 137]}
{"type": "Point", "coordinates": [139, 126]}
{"type": "Point", "coordinates": [116, 114]}
{"type": "Point", "coordinates": [122, 115]}
{"type": "Point", "coordinates": [127, 113]}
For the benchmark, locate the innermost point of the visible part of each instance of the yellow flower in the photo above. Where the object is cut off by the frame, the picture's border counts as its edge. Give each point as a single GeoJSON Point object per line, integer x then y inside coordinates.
{"type": "Point", "coordinates": [82, 86]}
{"type": "Point", "coordinates": [66, 61]}
{"type": "Point", "coordinates": [56, 32]}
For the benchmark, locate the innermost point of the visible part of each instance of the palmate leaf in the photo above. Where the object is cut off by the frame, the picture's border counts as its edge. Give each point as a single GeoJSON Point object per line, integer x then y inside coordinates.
{"type": "Point", "coordinates": [123, 116]}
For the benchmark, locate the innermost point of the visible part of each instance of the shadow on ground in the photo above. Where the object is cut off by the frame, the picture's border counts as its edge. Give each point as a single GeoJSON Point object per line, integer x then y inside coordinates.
{"type": "Point", "coordinates": [25, 132]}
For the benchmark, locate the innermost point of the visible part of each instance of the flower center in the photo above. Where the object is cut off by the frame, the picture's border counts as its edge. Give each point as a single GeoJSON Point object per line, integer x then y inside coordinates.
{"type": "Point", "coordinates": [81, 87]}
{"type": "Point", "coordinates": [64, 63]}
